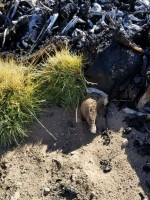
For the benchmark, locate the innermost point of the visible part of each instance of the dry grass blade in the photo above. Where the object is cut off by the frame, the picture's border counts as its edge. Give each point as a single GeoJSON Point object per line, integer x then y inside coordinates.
{"type": "Point", "coordinates": [41, 124]}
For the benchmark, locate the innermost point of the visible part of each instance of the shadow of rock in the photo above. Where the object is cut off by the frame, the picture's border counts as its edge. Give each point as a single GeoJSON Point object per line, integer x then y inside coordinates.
{"type": "Point", "coordinates": [115, 122]}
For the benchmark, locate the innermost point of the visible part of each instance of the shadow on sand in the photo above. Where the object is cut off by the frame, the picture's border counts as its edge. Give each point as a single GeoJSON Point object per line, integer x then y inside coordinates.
{"type": "Point", "coordinates": [136, 160]}
{"type": "Point", "coordinates": [62, 125]}
{"type": "Point", "coordinates": [71, 136]}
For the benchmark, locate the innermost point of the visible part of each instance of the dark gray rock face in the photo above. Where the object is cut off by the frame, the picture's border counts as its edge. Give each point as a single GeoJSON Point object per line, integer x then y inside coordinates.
{"type": "Point", "coordinates": [114, 68]}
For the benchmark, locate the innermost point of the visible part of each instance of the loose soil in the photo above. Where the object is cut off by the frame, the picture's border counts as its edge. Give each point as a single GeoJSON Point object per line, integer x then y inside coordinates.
{"type": "Point", "coordinates": [71, 167]}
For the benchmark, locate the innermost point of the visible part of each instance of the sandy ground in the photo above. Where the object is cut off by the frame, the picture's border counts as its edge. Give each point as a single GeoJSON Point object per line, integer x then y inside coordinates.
{"type": "Point", "coordinates": [69, 168]}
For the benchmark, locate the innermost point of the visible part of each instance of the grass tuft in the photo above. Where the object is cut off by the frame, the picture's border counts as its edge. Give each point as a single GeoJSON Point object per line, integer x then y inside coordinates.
{"type": "Point", "coordinates": [62, 79]}
{"type": "Point", "coordinates": [16, 95]}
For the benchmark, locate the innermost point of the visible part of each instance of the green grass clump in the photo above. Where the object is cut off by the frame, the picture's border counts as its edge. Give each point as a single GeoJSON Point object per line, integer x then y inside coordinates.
{"type": "Point", "coordinates": [62, 79]}
{"type": "Point", "coordinates": [17, 101]}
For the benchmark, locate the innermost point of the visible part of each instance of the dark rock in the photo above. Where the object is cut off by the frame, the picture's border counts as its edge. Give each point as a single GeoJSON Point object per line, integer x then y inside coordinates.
{"type": "Point", "coordinates": [71, 190]}
{"type": "Point", "coordinates": [68, 192]}
{"type": "Point", "coordinates": [68, 10]}
{"type": "Point", "coordinates": [142, 196]}
{"type": "Point", "coordinates": [7, 187]}
{"type": "Point", "coordinates": [105, 165]}
{"type": "Point", "coordinates": [3, 165]}
{"type": "Point", "coordinates": [46, 191]}
{"type": "Point", "coordinates": [127, 130]}
{"type": "Point", "coordinates": [58, 180]}
{"type": "Point", "coordinates": [137, 123]}
{"type": "Point", "coordinates": [126, 7]}
{"type": "Point", "coordinates": [57, 163]}
{"type": "Point", "coordinates": [114, 68]}
{"type": "Point", "coordinates": [106, 138]}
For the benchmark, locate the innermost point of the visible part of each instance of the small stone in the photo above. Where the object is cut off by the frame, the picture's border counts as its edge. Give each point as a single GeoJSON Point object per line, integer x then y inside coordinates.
{"type": "Point", "coordinates": [7, 187]}
{"type": "Point", "coordinates": [124, 143]}
{"type": "Point", "coordinates": [16, 196]}
{"type": "Point", "coordinates": [4, 165]}
{"type": "Point", "coordinates": [127, 130]}
{"type": "Point", "coordinates": [59, 151]}
{"type": "Point", "coordinates": [71, 190]}
{"type": "Point", "coordinates": [57, 163]}
{"type": "Point", "coordinates": [72, 178]}
{"type": "Point", "coordinates": [23, 171]}
{"type": "Point", "coordinates": [142, 196]}
{"type": "Point", "coordinates": [46, 191]}
{"type": "Point", "coordinates": [106, 166]}
{"type": "Point", "coordinates": [105, 136]}
{"type": "Point", "coordinates": [72, 153]}
{"type": "Point", "coordinates": [92, 194]}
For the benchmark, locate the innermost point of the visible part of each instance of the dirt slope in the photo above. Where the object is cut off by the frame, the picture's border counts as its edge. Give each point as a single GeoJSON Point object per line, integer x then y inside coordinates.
{"type": "Point", "coordinates": [70, 167]}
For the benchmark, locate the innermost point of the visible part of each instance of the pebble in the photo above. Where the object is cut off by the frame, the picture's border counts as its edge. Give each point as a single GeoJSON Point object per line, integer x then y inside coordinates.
{"type": "Point", "coordinates": [46, 191]}
{"type": "Point", "coordinates": [16, 196]}
{"type": "Point", "coordinates": [57, 163]}
{"type": "Point", "coordinates": [127, 130]}
{"type": "Point", "coordinates": [72, 153]}
{"type": "Point", "coordinates": [106, 166]}
{"type": "Point", "coordinates": [92, 194]}
{"type": "Point", "coordinates": [71, 190]}
{"type": "Point", "coordinates": [124, 143]}
{"type": "Point", "coordinates": [142, 196]}
{"type": "Point", "coordinates": [7, 187]}
{"type": "Point", "coordinates": [73, 177]}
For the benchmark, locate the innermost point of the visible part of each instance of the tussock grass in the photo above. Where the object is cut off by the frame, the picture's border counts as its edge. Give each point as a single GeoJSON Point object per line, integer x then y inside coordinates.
{"type": "Point", "coordinates": [59, 80]}
{"type": "Point", "coordinates": [17, 97]}
{"type": "Point", "coordinates": [62, 79]}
